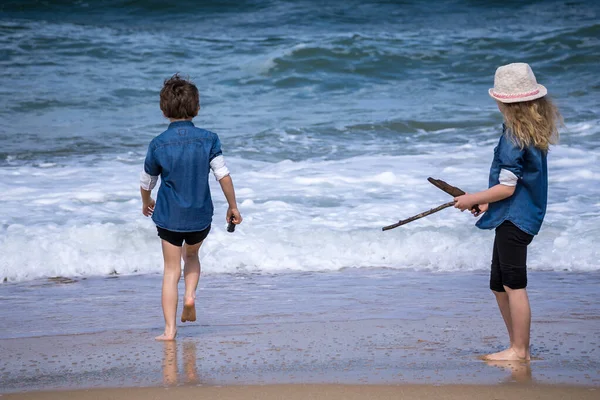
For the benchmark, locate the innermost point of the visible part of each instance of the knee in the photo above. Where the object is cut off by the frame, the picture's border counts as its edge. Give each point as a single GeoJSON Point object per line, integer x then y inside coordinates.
{"type": "Point", "coordinates": [172, 267]}
{"type": "Point", "coordinates": [190, 257]}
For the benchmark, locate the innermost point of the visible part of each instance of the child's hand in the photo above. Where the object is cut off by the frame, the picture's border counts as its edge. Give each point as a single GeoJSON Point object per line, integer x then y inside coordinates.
{"type": "Point", "coordinates": [465, 202]}
{"type": "Point", "coordinates": [237, 217]}
{"type": "Point", "coordinates": [148, 208]}
{"type": "Point", "coordinates": [482, 208]}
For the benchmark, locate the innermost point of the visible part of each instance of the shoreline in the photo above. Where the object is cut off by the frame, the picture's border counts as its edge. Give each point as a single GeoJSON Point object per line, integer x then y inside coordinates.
{"type": "Point", "coordinates": [354, 327]}
{"type": "Point", "coordinates": [329, 391]}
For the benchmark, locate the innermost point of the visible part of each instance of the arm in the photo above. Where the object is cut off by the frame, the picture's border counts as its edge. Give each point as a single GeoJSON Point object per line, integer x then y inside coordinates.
{"type": "Point", "coordinates": [227, 186]}
{"type": "Point", "coordinates": [221, 172]}
{"type": "Point", "coordinates": [148, 180]}
{"type": "Point", "coordinates": [491, 195]}
{"type": "Point", "coordinates": [147, 202]}
{"type": "Point", "coordinates": [509, 157]}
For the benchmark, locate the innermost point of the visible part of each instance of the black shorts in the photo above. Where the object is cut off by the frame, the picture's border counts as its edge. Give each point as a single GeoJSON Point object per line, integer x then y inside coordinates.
{"type": "Point", "coordinates": [509, 258]}
{"type": "Point", "coordinates": [177, 238]}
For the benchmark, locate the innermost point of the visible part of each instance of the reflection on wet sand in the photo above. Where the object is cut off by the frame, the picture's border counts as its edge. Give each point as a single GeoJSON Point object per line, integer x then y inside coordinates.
{"type": "Point", "coordinates": [520, 371]}
{"type": "Point", "coordinates": [171, 367]}
{"type": "Point", "coordinates": [189, 362]}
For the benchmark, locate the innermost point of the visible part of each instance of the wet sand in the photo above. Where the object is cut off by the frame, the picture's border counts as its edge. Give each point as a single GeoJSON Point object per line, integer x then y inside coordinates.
{"type": "Point", "coordinates": [428, 351]}
{"type": "Point", "coordinates": [330, 392]}
{"type": "Point", "coordinates": [382, 328]}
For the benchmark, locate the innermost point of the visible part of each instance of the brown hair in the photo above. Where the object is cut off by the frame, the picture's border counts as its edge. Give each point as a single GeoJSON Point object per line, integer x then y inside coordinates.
{"type": "Point", "coordinates": [533, 122]}
{"type": "Point", "coordinates": [179, 98]}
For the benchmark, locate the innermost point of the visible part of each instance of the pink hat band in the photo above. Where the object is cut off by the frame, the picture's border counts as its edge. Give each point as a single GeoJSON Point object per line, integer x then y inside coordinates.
{"type": "Point", "coordinates": [515, 96]}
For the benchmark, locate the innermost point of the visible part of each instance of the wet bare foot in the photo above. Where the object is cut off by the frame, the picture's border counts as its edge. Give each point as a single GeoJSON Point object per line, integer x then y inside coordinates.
{"type": "Point", "coordinates": [505, 355]}
{"type": "Point", "coordinates": [167, 336]}
{"type": "Point", "coordinates": [189, 310]}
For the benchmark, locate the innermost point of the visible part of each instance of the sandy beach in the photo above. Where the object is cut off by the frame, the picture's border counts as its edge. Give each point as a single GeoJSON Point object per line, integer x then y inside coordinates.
{"type": "Point", "coordinates": [398, 328]}
{"type": "Point", "coordinates": [330, 392]}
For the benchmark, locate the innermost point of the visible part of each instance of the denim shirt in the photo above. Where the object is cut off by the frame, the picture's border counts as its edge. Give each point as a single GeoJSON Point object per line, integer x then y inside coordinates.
{"type": "Point", "coordinates": [181, 155]}
{"type": "Point", "coordinates": [527, 206]}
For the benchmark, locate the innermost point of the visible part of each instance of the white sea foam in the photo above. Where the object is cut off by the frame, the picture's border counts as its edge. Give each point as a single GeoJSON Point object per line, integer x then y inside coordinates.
{"type": "Point", "coordinates": [82, 220]}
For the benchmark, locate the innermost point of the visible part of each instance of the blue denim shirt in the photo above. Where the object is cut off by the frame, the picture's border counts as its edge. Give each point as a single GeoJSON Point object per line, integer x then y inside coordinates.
{"type": "Point", "coordinates": [527, 206]}
{"type": "Point", "coordinates": [181, 155]}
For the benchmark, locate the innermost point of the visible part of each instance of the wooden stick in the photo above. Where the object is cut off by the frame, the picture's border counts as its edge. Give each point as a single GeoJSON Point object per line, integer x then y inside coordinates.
{"type": "Point", "coordinates": [451, 190]}
{"type": "Point", "coordinates": [416, 217]}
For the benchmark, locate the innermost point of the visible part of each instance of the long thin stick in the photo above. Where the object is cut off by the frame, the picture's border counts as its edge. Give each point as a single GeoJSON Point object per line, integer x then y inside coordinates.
{"type": "Point", "coordinates": [414, 218]}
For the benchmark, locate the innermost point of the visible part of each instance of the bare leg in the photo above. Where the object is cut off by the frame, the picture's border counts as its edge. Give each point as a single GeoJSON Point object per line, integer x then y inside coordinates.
{"type": "Point", "coordinates": [191, 273]}
{"type": "Point", "coordinates": [503, 305]}
{"type": "Point", "coordinates": [520, 317]}
{"type": "Point", "coordinates": [520, 312]}
{"type": "Point", "coordinates": [172, 274]}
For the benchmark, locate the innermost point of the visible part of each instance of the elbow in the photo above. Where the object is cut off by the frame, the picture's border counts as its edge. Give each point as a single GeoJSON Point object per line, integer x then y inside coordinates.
{"type": "Point", "coordinates": [507, 191]}
{"type": "Point", "coordinates": [221, 174]}
{"type": "Point", "coordinates": [508, 183]}
{"type": "Point", "coordinates": [224, 178]}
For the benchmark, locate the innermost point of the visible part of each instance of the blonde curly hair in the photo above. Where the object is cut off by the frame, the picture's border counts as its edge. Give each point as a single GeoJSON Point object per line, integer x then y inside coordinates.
{"type": "Point", "coordinates": [533, 123]}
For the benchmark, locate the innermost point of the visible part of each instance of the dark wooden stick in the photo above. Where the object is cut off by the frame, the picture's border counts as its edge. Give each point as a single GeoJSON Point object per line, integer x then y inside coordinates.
{"type": "Point", "coordinates": [451, 190]}
{"type": "Point", "coordinates": [416, 217]}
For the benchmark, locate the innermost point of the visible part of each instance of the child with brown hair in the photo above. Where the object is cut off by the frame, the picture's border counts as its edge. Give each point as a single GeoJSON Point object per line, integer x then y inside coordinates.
{"type": "Point", "coordinates": [515, 203]}
{"type": "Point", "coordinates": [183, 156]}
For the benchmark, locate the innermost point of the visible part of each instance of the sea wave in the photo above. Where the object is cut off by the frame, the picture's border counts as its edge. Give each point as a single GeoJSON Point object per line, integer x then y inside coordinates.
{"type": "Point", "coordinates": [107, 249]}
{"type": "Point", "coordinates": [308, 215]}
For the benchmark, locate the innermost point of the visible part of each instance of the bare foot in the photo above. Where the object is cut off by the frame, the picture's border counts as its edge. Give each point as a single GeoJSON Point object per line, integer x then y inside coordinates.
{"type": "Point", "coordinates": [189, 310]}
{"type": "Point", "coordinates": [166, 336]}
{"type": "Point", "coordinates": [505, 355]}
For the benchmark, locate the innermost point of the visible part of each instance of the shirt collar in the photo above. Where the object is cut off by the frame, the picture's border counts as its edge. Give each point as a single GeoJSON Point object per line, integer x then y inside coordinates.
{"type": "Point", "coordinates": [180, 124]}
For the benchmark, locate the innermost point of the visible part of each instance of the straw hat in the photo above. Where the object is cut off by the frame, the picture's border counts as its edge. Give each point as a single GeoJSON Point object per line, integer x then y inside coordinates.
{"type": "Point", "coordinates": [516, 82]}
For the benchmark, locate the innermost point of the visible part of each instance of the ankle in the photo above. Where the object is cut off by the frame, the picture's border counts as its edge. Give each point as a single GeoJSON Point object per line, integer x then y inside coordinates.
{"type": "Point", "coordinates": [521, 352]}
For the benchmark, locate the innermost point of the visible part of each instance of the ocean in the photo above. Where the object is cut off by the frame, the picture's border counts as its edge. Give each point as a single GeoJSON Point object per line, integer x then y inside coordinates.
{"type": "Point", "coordinates": [331, 118]}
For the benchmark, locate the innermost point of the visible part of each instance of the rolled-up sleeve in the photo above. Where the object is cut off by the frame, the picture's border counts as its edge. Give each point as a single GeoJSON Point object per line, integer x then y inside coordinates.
{"type": "Point", "coordinates": [149, 175]}
{"type": "Point", "coordinates": [217, 162]}
{"type": "Point", "coordinates": [507, 178]}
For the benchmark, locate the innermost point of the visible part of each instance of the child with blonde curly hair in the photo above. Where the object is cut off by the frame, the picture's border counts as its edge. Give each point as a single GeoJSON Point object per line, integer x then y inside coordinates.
{"type": "Point", "coordinates": [515, 203]}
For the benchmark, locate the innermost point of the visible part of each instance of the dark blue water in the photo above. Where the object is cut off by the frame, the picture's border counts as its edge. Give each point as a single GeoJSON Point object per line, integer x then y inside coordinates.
{"type": "Point", "coordinates": [83, 77]}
